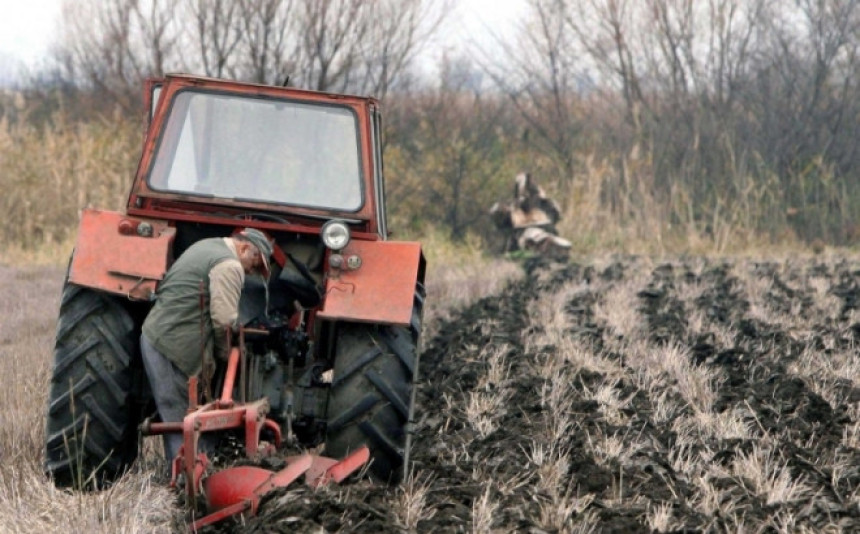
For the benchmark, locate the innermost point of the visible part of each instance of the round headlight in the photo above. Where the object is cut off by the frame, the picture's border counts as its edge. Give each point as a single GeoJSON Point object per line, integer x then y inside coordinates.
{"type": "Point", "coordinates": [335, 235]}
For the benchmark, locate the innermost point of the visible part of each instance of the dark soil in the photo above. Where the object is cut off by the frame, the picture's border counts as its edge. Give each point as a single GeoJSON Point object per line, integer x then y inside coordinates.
{"type": "Point", "coordinates": [458, 467]}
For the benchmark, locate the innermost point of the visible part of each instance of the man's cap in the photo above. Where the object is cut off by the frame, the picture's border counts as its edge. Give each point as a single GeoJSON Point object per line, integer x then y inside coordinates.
{"type": "Point", "coordinates": [259, 240]}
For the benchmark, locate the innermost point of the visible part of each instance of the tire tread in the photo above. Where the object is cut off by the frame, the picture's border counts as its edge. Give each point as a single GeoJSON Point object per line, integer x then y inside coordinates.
{"type": "Point", "coordinates": [372, 390]}
{"type": "Point", "coordinates": [91, 435]}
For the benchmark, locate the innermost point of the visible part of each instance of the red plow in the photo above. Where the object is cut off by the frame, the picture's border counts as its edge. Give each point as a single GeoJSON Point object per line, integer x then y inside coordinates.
{"type": "Point", "coordinates": [238, 490]}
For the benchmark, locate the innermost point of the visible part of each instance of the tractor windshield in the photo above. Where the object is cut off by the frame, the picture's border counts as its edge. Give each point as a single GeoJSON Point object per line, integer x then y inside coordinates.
{"type": "Point", "coordinates": [259, 149]}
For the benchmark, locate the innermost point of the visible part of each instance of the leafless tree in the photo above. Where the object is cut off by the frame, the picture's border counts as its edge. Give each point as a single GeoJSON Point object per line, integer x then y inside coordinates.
{"type": "Point", "coordinates": [328, 44]}
{"type": "Point", "coordinates": [604, 30]}
{"type": "Point", "coordinates": [540, 77]}
{"type": "Point", "coordinates": [216, 34]}
{"type": "Point", "coordinates": [338, 45]}
{"type": "Point", "coordinates": [398, 31]}
{"type": "Point", "coordinates": [361, 45]}
{"type": "Point", "coordinates": [718, 96]}
{"type": "Point", "coordinates": [159, 36]}
{"type": "Point", "coordinates": [265, 54]}
{"type": "Point", "coordinates": [112, 45]}
{"type": "Point", "coordinates": [805, 102]}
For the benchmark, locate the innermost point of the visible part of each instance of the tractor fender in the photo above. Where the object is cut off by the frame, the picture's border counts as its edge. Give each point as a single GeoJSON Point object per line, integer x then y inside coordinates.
{"type": "Point", "coordinates": [381, 289]}
{"type": "Point", "coordinates": [121, 254]}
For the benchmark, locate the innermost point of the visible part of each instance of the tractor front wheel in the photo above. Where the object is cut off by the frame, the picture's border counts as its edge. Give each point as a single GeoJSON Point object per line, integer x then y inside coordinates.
{"type": "Point", "coordinates": [91, 434]}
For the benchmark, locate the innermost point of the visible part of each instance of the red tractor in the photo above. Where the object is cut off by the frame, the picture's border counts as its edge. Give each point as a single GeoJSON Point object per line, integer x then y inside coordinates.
{"type": "Point", "coordinates": [328, 351]}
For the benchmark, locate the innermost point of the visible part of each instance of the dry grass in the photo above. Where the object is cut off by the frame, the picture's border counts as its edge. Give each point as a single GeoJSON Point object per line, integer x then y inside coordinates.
{"type": "Point", "coordinates": [487, 403]}
{"type": "Point", "coordinates": [29, 503]}
{"type": "Point", "coordinates": [484, 511]}
{"type": "Point", "coordinates": [47, 176]}
{"type": "Point", "coordinates": [412, 504]}
{"type": "Point", "coordinates": [458, 274]}
{"type": "Point", "coordinates": [769, 476]}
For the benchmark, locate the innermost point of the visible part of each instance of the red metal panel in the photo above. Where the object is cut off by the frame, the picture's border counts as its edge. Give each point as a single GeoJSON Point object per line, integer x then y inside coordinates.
{"type": "Point", "coordinates": [381, 290]}
{"type": "Point", "coordinates": [122, 263]}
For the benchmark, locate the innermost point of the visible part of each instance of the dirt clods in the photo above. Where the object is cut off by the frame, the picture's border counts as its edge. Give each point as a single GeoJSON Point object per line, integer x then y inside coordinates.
{"type": "Point", "coordinates": [628, 396]}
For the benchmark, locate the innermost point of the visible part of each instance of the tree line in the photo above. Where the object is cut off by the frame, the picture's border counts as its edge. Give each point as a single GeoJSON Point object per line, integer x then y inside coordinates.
{"type": "Point", "coordinates": [723, 119]}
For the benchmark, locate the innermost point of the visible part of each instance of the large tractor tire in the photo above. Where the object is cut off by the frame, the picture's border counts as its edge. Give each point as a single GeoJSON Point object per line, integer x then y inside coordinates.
{"type": "Point", "coordinates": [91, 434]}
{"type": "Point", "coordinates": [372, 396]}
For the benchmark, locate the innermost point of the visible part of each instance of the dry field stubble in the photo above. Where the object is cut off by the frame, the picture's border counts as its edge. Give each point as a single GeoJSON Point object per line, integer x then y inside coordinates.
{"type": "Point", "coordinates": [28, 502]}
{"type": "Point", "coordinates": [619, 395]}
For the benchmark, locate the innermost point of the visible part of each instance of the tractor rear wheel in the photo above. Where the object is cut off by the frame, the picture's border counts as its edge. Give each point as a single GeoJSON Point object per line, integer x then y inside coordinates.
{"type": "Point", "coordinates": [91, 434]}
{"type": "Point", "coordinates": [371, 401]}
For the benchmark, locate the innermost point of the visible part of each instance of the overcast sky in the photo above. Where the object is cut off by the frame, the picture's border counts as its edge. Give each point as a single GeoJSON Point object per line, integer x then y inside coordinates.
{"type": "Point", "coordinates": [28, 27]}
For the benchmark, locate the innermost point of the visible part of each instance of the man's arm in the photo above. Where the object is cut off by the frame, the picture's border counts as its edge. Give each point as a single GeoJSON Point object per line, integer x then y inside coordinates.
{"type": "Point", "coordinates": [225, 287]}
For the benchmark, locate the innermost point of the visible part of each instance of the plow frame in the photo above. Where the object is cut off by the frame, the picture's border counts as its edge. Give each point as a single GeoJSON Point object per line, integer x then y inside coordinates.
{"type": "Point", "coordinates": [237, 490]}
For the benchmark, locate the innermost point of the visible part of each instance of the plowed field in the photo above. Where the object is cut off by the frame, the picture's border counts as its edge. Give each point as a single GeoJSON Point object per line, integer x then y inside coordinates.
{"type": "Point", "coordinates": [627, 396]}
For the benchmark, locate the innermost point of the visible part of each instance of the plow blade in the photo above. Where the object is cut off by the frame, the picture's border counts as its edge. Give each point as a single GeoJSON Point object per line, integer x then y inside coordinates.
{"type": "Point", "coordinates": [324, 470]}
{"type": "Point", "coordinates": [239, 489]}
{"type": "Point", "coordinates": [237, 484]}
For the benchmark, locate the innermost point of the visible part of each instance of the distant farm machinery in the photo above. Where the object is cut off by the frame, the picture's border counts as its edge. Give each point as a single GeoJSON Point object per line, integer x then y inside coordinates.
{"type": "Point", "coordinates": [527, 222]}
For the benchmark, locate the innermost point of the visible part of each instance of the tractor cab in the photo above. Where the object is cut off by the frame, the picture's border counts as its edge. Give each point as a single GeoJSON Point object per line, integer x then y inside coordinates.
{"type": "Point", "coordinates": [253, 150]}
